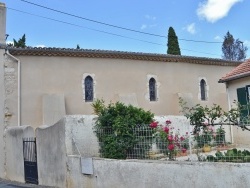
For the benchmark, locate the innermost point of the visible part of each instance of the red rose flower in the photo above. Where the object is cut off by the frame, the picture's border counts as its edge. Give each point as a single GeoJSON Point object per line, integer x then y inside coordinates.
{"type": "Point", "coordinates": [182, 138]}
{"type": "Point", "coordinates": [170, 138]}
{"type": "Point", "coordinates": [183, 150]}
{"type": "Point", "coordinates": [153, 124]}
{"type": "Point", "coordinates": [168, 122]}
{"type": "Point", "coordinates": [166, 129]}
{"type": "Point", "coordinates": [171, 147]}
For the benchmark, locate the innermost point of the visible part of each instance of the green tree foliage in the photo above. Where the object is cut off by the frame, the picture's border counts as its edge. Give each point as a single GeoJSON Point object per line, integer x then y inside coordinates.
{"type": "Point", "coordinates": [114, 127]}
{"type": "Point", "coordinates": [202, 116]}
{"type": "Point", "coordinates": [233, 49]}
{"type": "Point", "coordinates": [173, 45]}
{"type": "Point", "coordinates": [78, 47]}
{"type": "Point", "coordinates": [21, 43]}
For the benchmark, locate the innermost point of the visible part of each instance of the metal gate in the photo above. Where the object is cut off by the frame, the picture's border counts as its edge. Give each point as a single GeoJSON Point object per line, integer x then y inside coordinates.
{"type": "Point", "coordinates": [30, 160]}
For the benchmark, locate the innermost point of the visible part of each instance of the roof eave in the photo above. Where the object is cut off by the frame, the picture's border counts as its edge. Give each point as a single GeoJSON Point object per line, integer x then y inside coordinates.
{"type": "Point", "coordinates": [234, 77]}
{"type": "Point", "coordinates": [31, 51]}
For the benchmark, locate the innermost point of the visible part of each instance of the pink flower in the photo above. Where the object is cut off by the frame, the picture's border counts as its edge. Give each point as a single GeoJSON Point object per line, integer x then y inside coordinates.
{"type": "Point", "coordinates": [153, 124]}
{"type": "Point", "coordinates": [211, 128]}
{"type": "Point", "coordinates": [166, 129]}
{"type": "Point", "coordinates": [170, 138]}
{"type": "Point", "coordinates": [171, 147]}
{"type": "Point", "coordinates": [186, 132]}
{"type": "Point", "coordinates": [168, 122]}
{"type": "Point", "coordinates": [183, 150]}
{"type": "Point", "coordinates": [182, 138]}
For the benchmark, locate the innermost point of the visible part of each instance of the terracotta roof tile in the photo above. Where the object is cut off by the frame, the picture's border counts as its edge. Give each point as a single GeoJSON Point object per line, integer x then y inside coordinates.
{"type": "Point", "coordinates": [240, 71]}
{"type": "Point", "coordinates": [69, 52]}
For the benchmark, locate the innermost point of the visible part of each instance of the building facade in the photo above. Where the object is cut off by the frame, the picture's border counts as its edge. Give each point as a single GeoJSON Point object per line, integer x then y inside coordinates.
{"type": "Point", "coordinates": [41, 85]}
{"type": "Point", "coordinates": [237, 83]}
{"type": "Point", "coordinates": [77, 77]}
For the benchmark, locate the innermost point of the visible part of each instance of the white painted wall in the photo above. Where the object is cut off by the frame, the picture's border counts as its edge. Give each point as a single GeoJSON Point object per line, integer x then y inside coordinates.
{"type": "Point", "coordinates": [70, 135]}
{"type": "Point", "coordinates": [51, 154]}
{"type": "Point", "coordinates": [59, 161]}
{"type": "Point", "coordinates": [147, 174]}
{"type": "Point", "coordinates": [14, 162]}
{"type": "Point", "coordinates": [79, 135]}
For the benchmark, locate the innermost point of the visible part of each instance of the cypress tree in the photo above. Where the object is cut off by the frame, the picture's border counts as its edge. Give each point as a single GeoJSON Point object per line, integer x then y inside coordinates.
{"type": "Point", "coordinates": [173, 45]}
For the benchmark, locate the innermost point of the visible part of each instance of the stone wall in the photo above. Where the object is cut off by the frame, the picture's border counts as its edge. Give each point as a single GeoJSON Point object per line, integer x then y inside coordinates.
{"type": "Point", "coordinates": [2, 92]}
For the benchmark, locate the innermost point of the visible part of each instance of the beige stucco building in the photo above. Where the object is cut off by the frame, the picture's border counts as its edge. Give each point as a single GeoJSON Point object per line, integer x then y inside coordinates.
{"type": "Point", "coordinates": [43, 84]}
{"type": "Point", "coordinates": [116, 76]}
{"type": "Point", "coordinates": [38, 86]}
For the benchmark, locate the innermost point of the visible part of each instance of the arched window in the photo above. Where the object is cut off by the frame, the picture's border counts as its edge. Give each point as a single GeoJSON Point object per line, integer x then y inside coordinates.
{"type": "Point", "coordinates": [152, 89]}
{"type": "Point", "coordinates": [89, 89]}
{"type": "Point", "coordinates": [203, 89]}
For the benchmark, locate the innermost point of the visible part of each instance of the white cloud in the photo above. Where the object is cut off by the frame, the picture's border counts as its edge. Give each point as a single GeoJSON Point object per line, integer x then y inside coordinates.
{"type": "Point", "coordinates": [217, 38]}
{"type": "Point", "coordinates": [247, 43]}
{"type": "Point", "coordinates": [10, 42]}
{"type": "Point", "coordinates": [40, 46]}
{"type": "Point", "coordinates": [150, 17]}
{"type": "Point", "coordinates": [144, 26]}
{"type": "Point", "coordinates": [191, 28]}
{"type": "Point", "coordinates": [214, 10]}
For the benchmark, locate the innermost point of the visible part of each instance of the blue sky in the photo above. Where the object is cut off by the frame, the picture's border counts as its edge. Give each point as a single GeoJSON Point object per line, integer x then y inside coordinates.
{"type": "Point", "coordinates": [204, 20]}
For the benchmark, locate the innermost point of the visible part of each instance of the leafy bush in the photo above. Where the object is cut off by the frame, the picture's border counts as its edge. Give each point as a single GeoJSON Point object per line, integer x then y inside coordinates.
{"type": "Point", "coordinates": [220, 136]}
{"type": "Point", "coordinates": [114, 127]}
{"type": "Point", "coordinates": [233, 155]}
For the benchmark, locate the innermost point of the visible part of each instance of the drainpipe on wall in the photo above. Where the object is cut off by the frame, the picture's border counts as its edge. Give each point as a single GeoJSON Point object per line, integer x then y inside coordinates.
{"type": "Point", "coordinates": [229, 107]}
{"type": "Point", "coordinates": [18, 87]}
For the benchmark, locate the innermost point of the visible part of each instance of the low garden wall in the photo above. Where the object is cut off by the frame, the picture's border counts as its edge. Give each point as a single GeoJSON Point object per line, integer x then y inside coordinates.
{"type": "Point", "coordinates": [14, 160]}
{"type": "Point", "coordinates": [61, 147]}
{"type": "Point", "coordinates": [142, 174]}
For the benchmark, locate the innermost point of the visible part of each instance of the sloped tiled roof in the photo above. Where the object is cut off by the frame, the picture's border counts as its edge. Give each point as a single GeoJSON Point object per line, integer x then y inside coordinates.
{"type": "Point", "coordinates": [69, 52]}
{"type": "Point", "coordinates": [243, 70]}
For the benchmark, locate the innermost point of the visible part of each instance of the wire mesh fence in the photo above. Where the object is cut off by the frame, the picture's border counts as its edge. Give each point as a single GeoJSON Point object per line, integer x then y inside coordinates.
{"type": "Point", "coordinates": [165, 143]}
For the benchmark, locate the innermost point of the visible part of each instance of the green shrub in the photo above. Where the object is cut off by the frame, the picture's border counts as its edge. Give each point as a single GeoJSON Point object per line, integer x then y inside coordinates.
{"type": "Point", "coordinates": [114, 128]}
{"type": "Point", "coordinates": [232, 155]}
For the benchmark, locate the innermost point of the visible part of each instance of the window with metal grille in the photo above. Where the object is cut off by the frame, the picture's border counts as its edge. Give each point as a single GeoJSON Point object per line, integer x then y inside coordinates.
{"type": "Point", "coordinates": [152, 89]}
{"type": "Point", "coordinates": [203, 89]}
{"type": "Point", "coordinates": [89, 89]}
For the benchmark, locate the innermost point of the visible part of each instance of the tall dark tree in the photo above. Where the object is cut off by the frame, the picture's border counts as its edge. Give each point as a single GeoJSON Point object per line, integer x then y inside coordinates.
{"type": "Point", "coordinates": [78, 47]}
{"type": "Point", "coordinates": [233, 49]}
{"type": "Point", "coordinates": [21, 43]}
{"type": "Point", "coordinates": [173, 44]}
